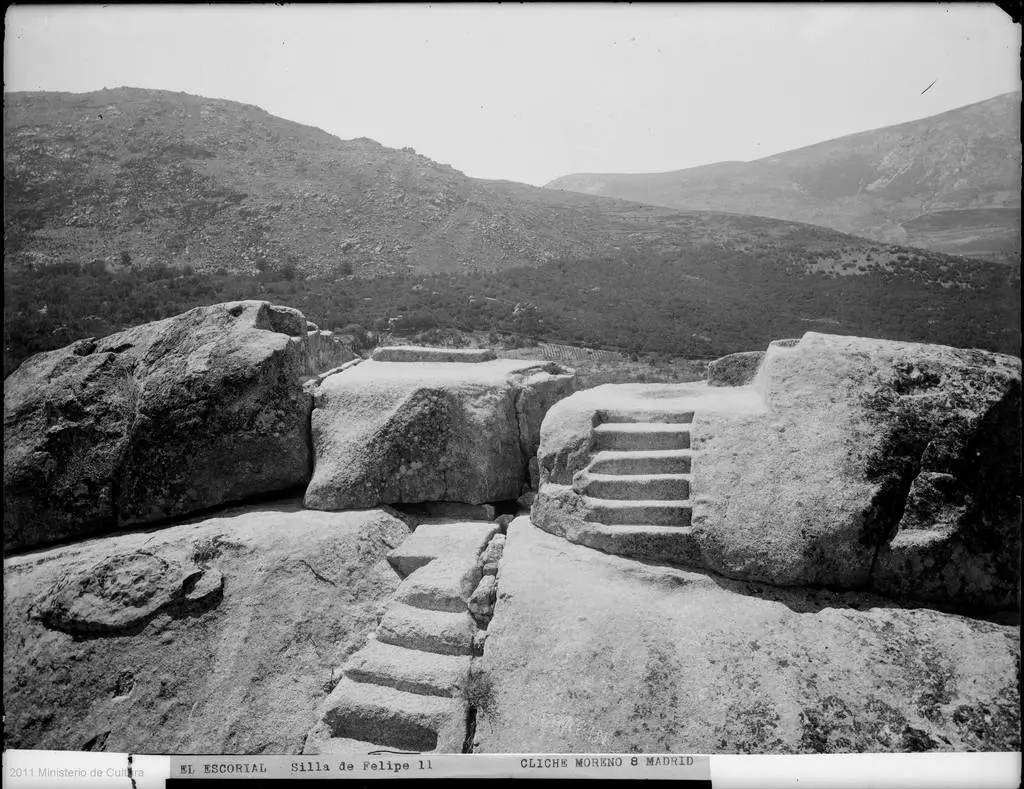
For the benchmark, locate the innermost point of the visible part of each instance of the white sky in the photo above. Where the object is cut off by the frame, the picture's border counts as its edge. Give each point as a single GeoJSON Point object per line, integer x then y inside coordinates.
{"type": "Point", "coordinates": [531, 92]}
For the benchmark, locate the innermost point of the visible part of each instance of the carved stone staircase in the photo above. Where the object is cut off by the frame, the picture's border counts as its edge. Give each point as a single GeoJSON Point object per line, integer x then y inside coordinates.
{"type": "Point", "coordinates": [636, 487]}
{"type": "Point", "coordinates": [406, 690]}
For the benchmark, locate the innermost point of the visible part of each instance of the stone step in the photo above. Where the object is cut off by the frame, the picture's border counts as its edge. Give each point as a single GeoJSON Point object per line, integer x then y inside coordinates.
{"type": "Point", "coordinates": [633, 486]}
{"type": "Point", "coordinates": [640, 415]}
{"type": "Point", "coordinates": [419, 353]}
{"type": "Point", "coordinates": [411, 670]}
{"type": "Point", "coordinates": [629, 436]}
{"type": "Point", "coordinates": [443, 632]}
{"type": "Point", "coordinates": [393, 718]}
{"type": "Point", "coordinates": [445, 584]}
{"type": "Point", "coordinates": [650, 511]}
{"type": "Point", "coordinates": [336, 746]}
{"type": "Point", "coordinates": [431, 540]}
{"type": "Point", "coordinates": [675, 545]}
{"type": "Point", "coordinates": [661, 461]}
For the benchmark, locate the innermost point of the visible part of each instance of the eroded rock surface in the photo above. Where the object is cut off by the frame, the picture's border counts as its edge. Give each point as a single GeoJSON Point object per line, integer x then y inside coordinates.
{"type": "Point", "coordinates": [595, 653]}
{"type": "Point", "coordinates": [125, 591]}
{"type": "Point", "coordinates": [883, 464]}
{"type": "Point", "coordinates": [846, 462]}
{"type": "Point", "coordinates": [216, 636]}
{"type": "Point", "coordinates": [407, 432]}
{"type": "Point", "coordinates": [156, 421]}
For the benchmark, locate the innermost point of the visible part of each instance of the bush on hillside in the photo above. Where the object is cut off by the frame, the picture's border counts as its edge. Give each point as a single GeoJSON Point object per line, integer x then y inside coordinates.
{"type": "Point", "coordinates": [644, 305]}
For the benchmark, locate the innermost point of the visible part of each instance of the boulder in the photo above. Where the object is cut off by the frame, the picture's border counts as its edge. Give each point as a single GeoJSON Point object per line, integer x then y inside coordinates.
{"type": "Point", "coordinates": [879, 464]}
{"type": "Point", "coordinates": [220, 635]}
{"type": "Point", "coordinates": [846, 462]}
{"type": "Point", "coordinates": [156, 421]}
{"type": "Point", "coordinates": [591, 653]}
{"type": "Point", "coordinates": [394, 432]}
{"type": "Point", "coordinates": [736, 369]}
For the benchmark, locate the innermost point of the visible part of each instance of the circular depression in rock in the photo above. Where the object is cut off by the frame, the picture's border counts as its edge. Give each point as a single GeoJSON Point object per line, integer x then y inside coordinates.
{"type": "Point", "coordinates": [114, 594]}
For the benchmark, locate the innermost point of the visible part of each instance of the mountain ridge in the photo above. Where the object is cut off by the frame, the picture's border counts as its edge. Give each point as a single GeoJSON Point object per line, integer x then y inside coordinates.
{"type": "Point", "coordinates": [876, 183]}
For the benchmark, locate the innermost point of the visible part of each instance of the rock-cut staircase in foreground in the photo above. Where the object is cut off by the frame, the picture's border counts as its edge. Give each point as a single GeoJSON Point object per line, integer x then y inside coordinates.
{"type": "Point", "coordinates": [636, 487]}
{"type": "Point", "coordinates": [406, 690]}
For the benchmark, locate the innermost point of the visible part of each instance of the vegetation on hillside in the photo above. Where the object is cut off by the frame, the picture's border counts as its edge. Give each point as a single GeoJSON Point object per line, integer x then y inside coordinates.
{"type": "Point", "coordinates": [171, 179]}
{"type": "Point", "coordinates": [703, 306]}
{"type": "Point", "coordinates": [181, 180]}
{"type": "Point", "coordinates": [129, 205]}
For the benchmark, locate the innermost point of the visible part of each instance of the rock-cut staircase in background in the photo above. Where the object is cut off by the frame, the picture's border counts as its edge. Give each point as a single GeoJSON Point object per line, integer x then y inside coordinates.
{"type": "Point", "coordinates": [407, 689]}
{"type": "Point", "coordinates": [636, 487]}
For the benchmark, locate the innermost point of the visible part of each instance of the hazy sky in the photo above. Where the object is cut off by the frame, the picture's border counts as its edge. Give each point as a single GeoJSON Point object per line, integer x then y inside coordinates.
{"type": "Point", "coordinates": [528, 93]}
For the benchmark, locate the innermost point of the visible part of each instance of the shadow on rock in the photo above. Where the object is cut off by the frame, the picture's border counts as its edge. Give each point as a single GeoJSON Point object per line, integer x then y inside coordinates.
{"type": "Point", "coordinates": [813, 599]}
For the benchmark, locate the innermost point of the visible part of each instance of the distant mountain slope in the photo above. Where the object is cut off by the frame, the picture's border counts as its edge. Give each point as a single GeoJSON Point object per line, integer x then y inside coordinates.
{"type": "Point", "coordinates": [950, 183]}
{"type": "Point", "coordinates": [159, 177]}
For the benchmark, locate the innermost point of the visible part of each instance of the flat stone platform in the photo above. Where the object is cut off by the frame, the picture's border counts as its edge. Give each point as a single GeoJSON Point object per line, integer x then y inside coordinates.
{"type": "Point", "coordinates": [664, 399]}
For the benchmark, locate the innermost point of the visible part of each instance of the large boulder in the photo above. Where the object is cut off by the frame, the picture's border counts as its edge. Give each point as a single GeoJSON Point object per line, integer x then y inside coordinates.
{"type": "Point", "coordinates": [156, 421]}
{"type": "Point", "coordinates": [221, 635]}
{"type": "Point", "coordinates": [880, 464]}
{"type": "Point", "coordinates": [406, 432]}
{"type": "Point", "coordinates": [589, 653]}
{"type": "Point", "coordinates": [846, 462]}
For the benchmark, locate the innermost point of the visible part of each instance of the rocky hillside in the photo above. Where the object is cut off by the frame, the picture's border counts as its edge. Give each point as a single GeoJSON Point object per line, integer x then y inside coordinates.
{"type": "Point", "coordinates": [132, 175]}
{"type": "Point", "coordinates": [950, 183]}
{"type": "Point", "coordinates": [128, 205]}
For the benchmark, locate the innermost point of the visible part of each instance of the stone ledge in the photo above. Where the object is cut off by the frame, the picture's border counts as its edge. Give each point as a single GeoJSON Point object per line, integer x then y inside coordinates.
{"type": "Point", "coordinates": [413, 353]}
